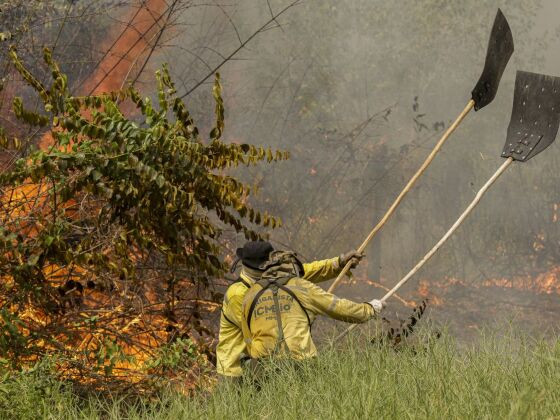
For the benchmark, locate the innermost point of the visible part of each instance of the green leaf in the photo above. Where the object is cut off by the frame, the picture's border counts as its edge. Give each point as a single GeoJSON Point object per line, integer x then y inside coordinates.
{"type": "Point", "coordinates": [33, 259]}
{"type": "Point", "coordinates": [160, 180]}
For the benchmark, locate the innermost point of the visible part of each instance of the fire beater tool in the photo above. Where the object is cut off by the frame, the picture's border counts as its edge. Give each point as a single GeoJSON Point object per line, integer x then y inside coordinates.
{"type": "Point", "coordinates": [500, 49]}
{"type": "Point", "coordinates": [533, 127]}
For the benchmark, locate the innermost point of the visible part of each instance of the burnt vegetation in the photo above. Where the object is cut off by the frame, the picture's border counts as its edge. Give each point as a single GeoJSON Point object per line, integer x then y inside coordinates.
{"type": "Point", "coordinates": [398, 334]}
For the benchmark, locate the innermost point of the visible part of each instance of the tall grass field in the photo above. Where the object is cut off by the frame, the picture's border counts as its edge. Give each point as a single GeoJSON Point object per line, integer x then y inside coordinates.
{"type": "Point", "coordinates": [513, 377]}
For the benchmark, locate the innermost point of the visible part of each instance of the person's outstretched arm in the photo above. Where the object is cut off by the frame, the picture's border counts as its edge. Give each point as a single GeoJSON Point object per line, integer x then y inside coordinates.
{"type": "Point", "coordinates": [321, 302]}
{"type": "Point", "coordinates": [323, 270]}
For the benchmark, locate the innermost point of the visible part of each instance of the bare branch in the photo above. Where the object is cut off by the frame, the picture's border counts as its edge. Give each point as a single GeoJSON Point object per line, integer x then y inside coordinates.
{"type": "Point", "coordinates": [231, 21]}
{"type": "Point", "coordinates": [243, 44]}
{"type": "Point", "coordinates": [272, 14]}
{"type": "Point", "coordinates": [155, 44]}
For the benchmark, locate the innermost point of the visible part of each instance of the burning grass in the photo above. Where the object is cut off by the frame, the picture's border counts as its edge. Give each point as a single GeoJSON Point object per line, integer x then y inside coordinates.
{"type": "Point", "coordinates": [547, 283]}
{"type": "Point", "coordinates": [509, 377]}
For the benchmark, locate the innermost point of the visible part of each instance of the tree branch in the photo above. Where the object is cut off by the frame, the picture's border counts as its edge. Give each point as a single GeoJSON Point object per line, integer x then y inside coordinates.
{"type": "Point", "coordinates": [243, 44]}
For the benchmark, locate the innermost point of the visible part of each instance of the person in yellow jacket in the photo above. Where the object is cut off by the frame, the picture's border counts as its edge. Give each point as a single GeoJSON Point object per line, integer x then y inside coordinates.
{"type": "Point", "coordinates": [279, 308]}
{"type": "Point", "coordinates": [231, 346]}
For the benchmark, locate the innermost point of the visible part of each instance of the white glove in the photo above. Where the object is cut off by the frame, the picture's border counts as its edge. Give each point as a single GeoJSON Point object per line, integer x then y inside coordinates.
{"type": "Point", "coordinates": [378, 305]}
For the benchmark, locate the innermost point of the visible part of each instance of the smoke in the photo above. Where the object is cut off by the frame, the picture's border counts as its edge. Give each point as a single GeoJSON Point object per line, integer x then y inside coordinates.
{"type": "Point", "coordinates": [359, 92]}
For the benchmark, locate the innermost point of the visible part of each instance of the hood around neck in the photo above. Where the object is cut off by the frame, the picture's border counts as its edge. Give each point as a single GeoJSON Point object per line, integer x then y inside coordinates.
{"type": "Point", "coordinates": [251, 274]}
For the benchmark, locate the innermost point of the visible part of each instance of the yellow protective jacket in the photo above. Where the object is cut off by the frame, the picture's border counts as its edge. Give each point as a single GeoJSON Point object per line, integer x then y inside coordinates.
{"type": "Point", "coordinates": [230, 342]}
{"type": "Point", "coordinates": [299, 301]}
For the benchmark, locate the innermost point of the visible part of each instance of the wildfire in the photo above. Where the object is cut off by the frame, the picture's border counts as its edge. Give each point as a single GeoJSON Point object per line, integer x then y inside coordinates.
{"type": "Point", "coordinates": [547, 283]}
{"type": "Point", "coordinates": [544, 283]}
{"type": "Point", "coordinates": [125, 53]}
{"type": "Point", "coordinates": [424, 292]}
{"type": "Point", "coordinates": [132, 44]}
{"type": "Point", "coordinates": [83, 296]}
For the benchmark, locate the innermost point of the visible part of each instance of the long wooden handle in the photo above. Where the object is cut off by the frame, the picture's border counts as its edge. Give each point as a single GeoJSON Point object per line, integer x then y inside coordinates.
{"type": "Point", "coordinates": [445, 237]}
{"type": "Point", "coordinates": [406, 189]}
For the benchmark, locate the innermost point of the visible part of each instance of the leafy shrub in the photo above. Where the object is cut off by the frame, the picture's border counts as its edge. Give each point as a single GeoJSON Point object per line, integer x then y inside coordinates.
{"type": "Point", "coordinates": [109, 233]}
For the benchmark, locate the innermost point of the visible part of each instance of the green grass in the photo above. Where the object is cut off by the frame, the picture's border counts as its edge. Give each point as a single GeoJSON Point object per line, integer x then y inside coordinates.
{"type": "Point", "coordinates": [512, 377]}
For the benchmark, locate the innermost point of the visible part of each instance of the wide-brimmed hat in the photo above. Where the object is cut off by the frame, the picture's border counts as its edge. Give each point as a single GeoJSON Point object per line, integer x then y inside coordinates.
{"type": "Point", "coordinates": [253, 254]}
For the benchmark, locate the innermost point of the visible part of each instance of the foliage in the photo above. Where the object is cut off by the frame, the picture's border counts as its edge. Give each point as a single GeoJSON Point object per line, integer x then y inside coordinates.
{"type": "Point", "coordinates": [109, 218]}
{"type": "Point", "coordinates": [70, 29]}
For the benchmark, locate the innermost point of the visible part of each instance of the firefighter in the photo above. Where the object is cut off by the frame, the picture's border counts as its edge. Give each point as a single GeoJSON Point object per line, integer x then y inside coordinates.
{"type": "Point", "coordinates": [279, 308]}
{"type": "Point", "coordinates": [231, 347]}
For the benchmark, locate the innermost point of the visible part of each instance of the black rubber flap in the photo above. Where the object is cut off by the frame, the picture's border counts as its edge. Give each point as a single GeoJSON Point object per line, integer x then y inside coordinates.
{"type": "Point", "coordinates": [500, 49]}
{"type": "Point", "coordinates": [535, 116]}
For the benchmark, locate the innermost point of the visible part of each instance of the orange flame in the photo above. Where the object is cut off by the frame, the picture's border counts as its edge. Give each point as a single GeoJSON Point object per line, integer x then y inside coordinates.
{"type": "Point", "coordinates": [424, 292]}
{"type": "Point", "coordinates": [544, 283]}
{"type": "Point", "coordinates": [125, 52]}
{"type": "Point", "coordinates": [132, 44]}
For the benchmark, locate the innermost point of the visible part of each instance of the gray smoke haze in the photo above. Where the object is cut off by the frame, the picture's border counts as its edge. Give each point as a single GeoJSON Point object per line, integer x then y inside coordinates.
{"type": "Point", "coordinates": [359, 92]}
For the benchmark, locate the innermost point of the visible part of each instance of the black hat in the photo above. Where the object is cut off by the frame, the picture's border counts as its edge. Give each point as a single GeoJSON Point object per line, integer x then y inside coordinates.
{"type": "Point", "coordinates": [254, 253]}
